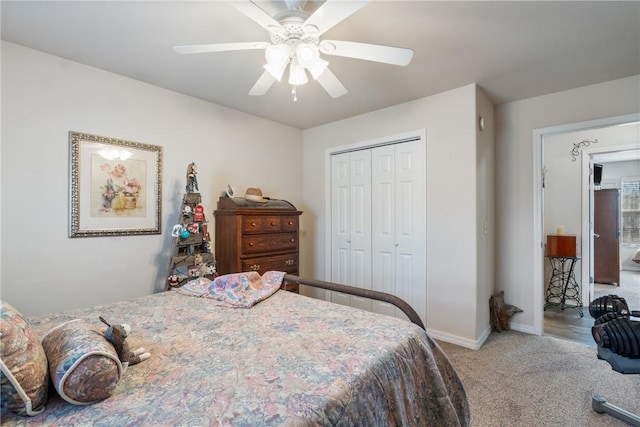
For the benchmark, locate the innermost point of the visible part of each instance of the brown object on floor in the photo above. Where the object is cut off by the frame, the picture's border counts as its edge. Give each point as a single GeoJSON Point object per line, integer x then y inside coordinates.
{"type": "Point", "coordinates": [500, 313]}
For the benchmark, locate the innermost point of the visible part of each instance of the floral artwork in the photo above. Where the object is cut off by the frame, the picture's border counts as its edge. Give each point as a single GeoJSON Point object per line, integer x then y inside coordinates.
{"type": "Point", "coordinates": [115, 187]}
{"type": "Point", "coordinates": [120, 187]}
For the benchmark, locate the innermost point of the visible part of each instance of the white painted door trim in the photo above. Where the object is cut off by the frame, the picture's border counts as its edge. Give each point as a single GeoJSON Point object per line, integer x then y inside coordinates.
{"type": "Point", "coordinates": [538, 207]}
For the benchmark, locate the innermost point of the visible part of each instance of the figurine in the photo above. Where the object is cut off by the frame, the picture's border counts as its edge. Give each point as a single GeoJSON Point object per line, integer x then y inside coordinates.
{"type": "Point", "coordinates": [173, 280]}
{"type": "Point", "coordinates": [199, 214]}
{"type": "Point", "coordinates": [207, 269]}
{"type": "Point", "coordinates": [198, 260]}
{"type": "Point", "coordinates": [192, 178]}
{"type": "Point", "coordinates": [187, 211]}
{"type": "Point", "coordinates": [177, 229]}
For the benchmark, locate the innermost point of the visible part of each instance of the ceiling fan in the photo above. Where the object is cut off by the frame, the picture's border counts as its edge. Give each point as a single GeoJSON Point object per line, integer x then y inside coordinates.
{"type": "Point", "coordinates": [295, 42]}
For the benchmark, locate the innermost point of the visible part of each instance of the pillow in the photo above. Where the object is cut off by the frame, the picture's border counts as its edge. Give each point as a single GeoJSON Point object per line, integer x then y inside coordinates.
{"type": "Point", "coordinates": [84, 366]}
{"type": "Point", "coordinates": [25, 375]}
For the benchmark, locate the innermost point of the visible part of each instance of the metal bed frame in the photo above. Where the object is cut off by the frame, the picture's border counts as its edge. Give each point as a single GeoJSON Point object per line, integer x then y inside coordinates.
{"type": "Point", "coordinates": [365, 293]}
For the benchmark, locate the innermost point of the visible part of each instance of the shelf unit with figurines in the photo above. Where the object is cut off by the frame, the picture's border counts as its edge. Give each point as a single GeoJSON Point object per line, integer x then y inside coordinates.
{"type": "Point", "coordinates": [192, 256]}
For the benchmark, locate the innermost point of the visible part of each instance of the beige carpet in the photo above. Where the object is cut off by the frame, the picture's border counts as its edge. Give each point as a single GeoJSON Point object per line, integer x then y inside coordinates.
{"type": "Point", "coordinates": [518, 379]}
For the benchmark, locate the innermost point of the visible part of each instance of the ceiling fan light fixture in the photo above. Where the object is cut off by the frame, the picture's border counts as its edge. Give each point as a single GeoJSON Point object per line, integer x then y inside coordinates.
{"type": "Point", "coordinates": [295, 42]}
{"type": "Point", "coordinates": [317, 68]}
{"type": "Point", "coordinates": [306, 53]}
{"type": "Point", "coordinates": [277, 59]}
{"type": "Point", "coordinates": [309, 57]}
{"type": "Point", "coordinates": [297, 75]}
{"type": "Point", "coordinates": [276, 70]}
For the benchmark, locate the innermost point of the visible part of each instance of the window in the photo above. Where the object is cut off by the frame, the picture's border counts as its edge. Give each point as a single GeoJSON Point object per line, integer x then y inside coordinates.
{"type": "Point", "coordinates": [630, 202]}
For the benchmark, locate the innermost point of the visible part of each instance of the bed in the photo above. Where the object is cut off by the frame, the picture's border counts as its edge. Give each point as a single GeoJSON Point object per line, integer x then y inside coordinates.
{"type": "Point", "coordinates": [287, 360]}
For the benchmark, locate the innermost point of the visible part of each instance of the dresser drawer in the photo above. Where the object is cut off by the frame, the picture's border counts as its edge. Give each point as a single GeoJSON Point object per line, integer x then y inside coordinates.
{"type": "Point", "coordinates": [254, 244]}
{"type": "Point", "coordinates": [262, 224]}
{"type": "Point", "coordinates": [289, 223]}
{"type": "Point", "coordinates": [285, 262]}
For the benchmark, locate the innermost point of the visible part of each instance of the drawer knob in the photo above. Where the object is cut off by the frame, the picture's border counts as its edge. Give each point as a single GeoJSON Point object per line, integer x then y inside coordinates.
{"type": "Point", "coordinates": [290, 222]}
{"type": "Point", "coordinates": [250, 243]}
{"type": "Point", "coordinates": [289, 262]}
{"type": "Point", "coordinates": [253, 224]}
{"type": "Point", "coordinates": [254, 267]}
{"type": "Point", "coordinates": [273, 223]}
{"type": "Point", "coordinates": [292, 240]}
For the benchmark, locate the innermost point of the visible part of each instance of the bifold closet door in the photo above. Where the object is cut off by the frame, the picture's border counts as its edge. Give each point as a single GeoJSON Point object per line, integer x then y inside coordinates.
{"type": "Point", "coordinates": [399, 225]}
{"type": "Point", "coordinates": [351, 224]}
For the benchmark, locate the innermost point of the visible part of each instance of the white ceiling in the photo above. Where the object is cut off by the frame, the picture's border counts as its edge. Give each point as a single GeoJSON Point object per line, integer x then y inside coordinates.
{"type": "Point", "coordinates": [512, 49]}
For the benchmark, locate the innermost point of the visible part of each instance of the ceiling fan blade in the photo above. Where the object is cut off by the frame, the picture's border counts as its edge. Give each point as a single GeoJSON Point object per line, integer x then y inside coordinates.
{"type": "Point", "coordinates": [258, 15]}
{"type": "Point", "coordinates": [329, 14]}
{"type": "Point", "coordinates": [331, 84]}
{"type": "Point", "coordinates": [220, 47]}
{"type": "Point", "coordinates": [368, 52]}
{"type": "Point", "coordinates": [263, 84]}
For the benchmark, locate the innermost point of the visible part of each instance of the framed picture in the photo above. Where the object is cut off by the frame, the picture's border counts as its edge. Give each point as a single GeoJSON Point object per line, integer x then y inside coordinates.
{"type": "Point", "coordinates": [116, 187]}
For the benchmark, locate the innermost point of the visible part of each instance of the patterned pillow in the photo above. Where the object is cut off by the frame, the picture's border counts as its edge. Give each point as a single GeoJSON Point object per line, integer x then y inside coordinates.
{"type": "Point", "coordinates": [84, 366]}
{"type": "Point", "coordinates": [25, 375]}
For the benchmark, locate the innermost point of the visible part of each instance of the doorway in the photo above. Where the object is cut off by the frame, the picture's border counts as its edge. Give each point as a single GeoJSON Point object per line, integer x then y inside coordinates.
{"type": "Point", "coordinates": [577, 205]}
{"type": "Point", "coordinates": [607, 258]}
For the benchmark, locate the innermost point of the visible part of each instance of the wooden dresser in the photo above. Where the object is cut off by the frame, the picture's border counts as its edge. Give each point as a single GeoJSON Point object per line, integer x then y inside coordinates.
{"type": "Point", "coordinates": [257, 237]}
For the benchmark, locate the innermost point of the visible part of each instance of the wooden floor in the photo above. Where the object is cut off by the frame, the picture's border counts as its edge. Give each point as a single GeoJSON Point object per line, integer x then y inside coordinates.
{"type": "Point", "coordinates": [567, 324]}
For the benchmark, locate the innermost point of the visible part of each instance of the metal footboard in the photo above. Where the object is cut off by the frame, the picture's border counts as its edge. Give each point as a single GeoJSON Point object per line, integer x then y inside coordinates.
{"type": "Point", "coordinates": [365, 293]}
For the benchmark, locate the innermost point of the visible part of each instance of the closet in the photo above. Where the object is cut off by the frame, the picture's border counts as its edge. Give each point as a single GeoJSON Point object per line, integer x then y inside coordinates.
{"type": "Point", "coordinates": [378, 224]}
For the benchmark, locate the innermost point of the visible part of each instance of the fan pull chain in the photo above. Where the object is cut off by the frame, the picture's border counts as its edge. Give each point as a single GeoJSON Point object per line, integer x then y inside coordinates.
{"type": "Point", "coordinates": [293, 92]}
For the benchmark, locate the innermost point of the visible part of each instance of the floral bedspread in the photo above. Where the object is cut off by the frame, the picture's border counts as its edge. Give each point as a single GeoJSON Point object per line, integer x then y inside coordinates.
{"type": "Point", "coordinates": [288, 360]}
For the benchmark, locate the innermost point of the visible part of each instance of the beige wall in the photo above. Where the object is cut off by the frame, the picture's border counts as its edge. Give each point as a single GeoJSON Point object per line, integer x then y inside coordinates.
{"type": "Point", "coordinates": [43, 98]}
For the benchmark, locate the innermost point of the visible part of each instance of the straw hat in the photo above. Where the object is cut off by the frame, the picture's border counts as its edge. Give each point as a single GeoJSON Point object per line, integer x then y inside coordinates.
{"type": "Point", "coordinates": [254, 195]}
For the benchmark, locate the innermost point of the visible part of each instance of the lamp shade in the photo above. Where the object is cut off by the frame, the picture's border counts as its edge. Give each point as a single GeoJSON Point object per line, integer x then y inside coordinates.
{"type": "Point", "coordinates": [317, 68]}
{"type": "Point", "coordinates": [277, 59]}
{"type": "Point", "coordinates": [307, 53]}
{"type": "Point", "coordinates": [309, 57]}
{"type": "Point", "coordinates": [297, 75]}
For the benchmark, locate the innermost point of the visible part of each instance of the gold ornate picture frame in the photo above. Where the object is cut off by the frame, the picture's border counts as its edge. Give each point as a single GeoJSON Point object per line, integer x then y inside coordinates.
{"type": "Point", "coordinates": [116, 187]}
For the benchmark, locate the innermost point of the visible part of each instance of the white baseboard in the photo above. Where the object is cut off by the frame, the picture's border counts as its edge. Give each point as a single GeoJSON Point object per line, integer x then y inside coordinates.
{"type": "Point", "coordinates": [527, 329]}
{"type": "Point", "coordinates": [462, 342]}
